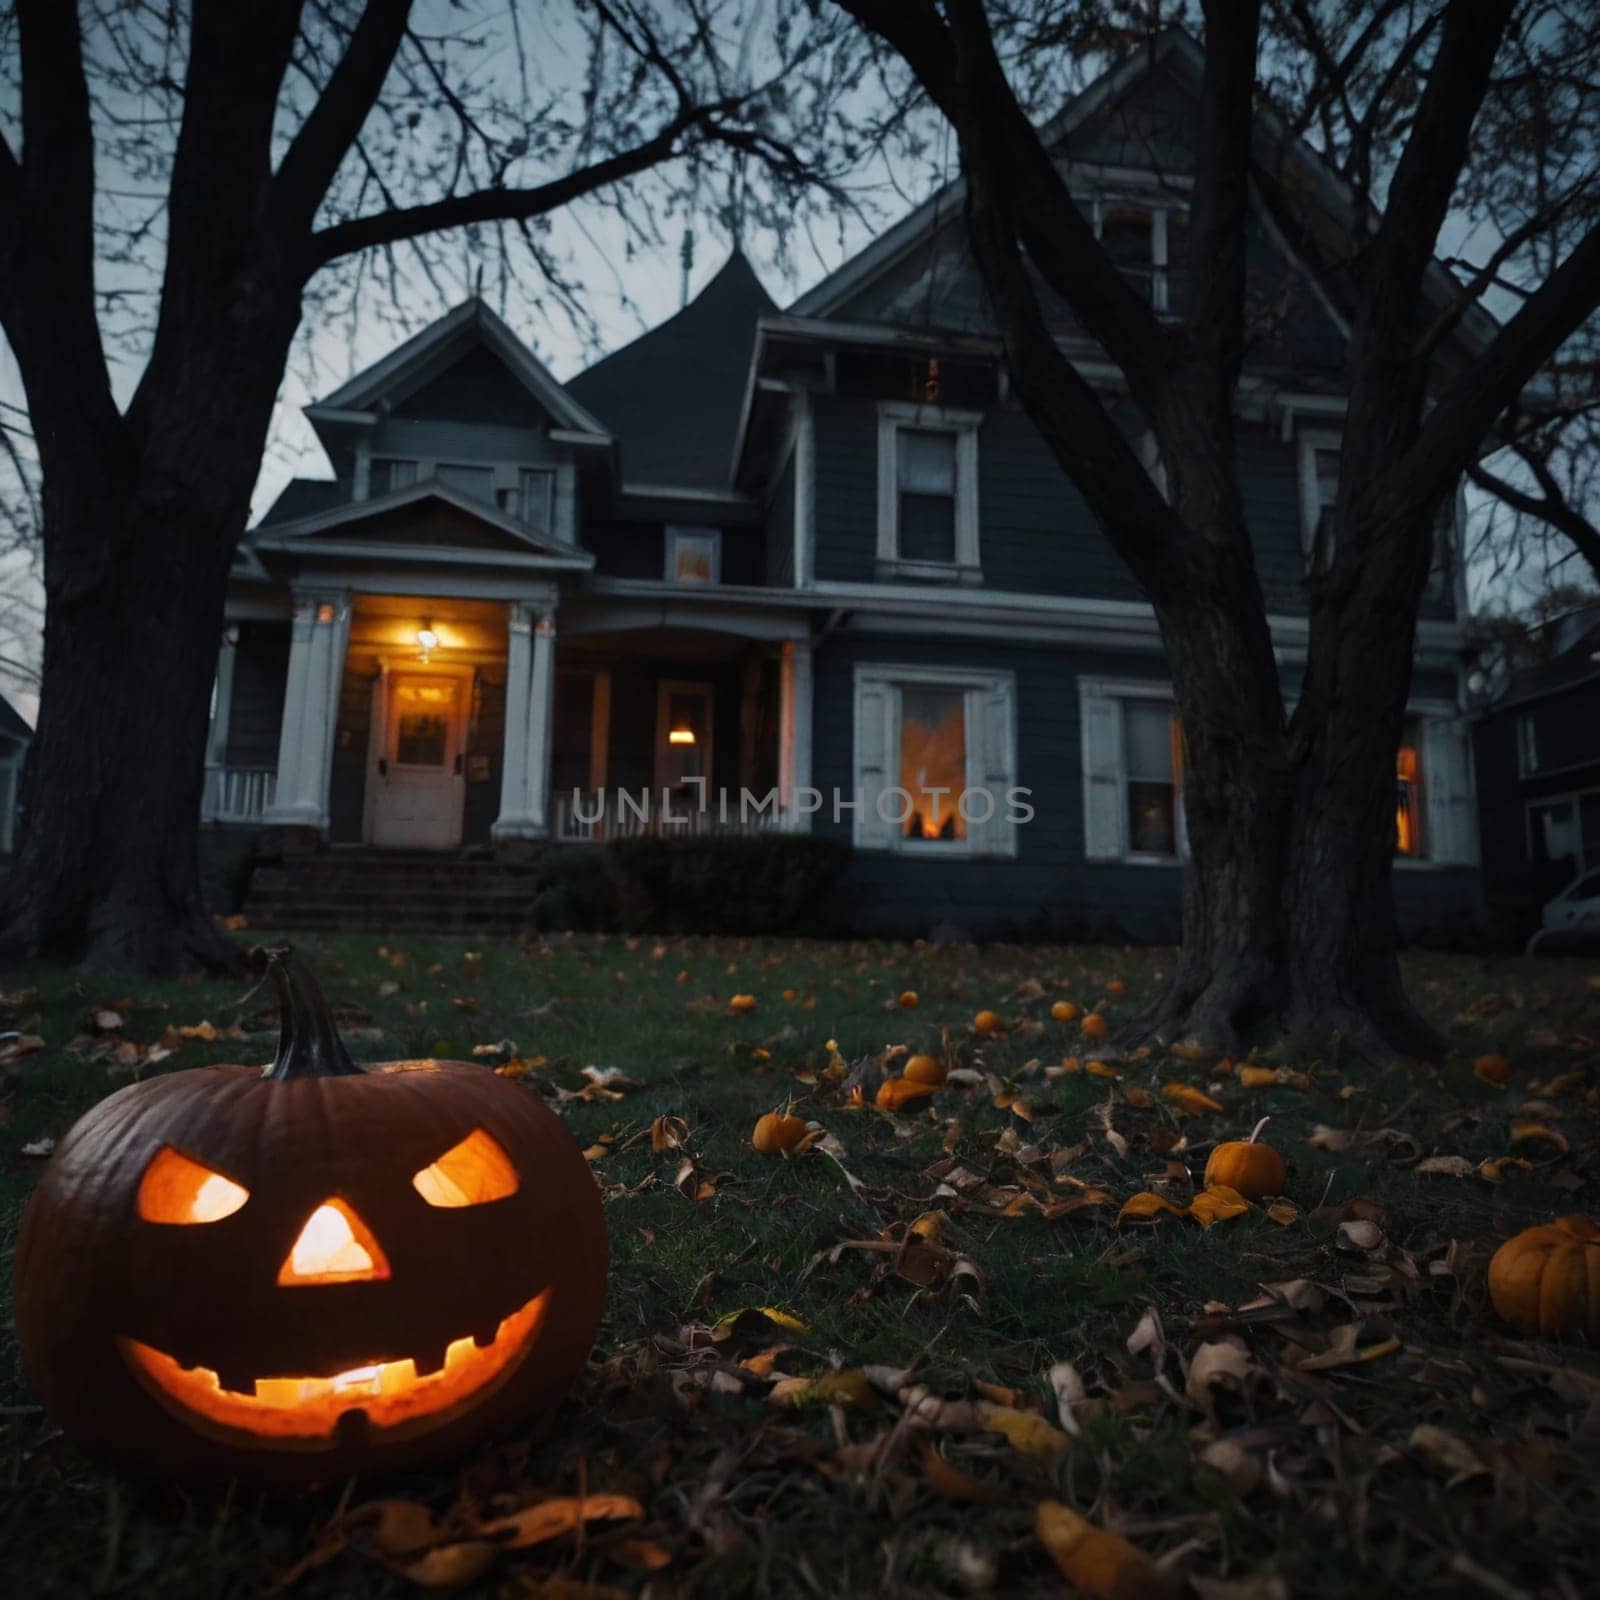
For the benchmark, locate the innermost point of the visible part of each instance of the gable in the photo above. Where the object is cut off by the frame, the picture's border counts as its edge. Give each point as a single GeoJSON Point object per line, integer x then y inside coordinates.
{"type": "Point", "coordinates": [477, 386]}
{"type": "Point", "coordinates": [423, 521]}
{"type": "Point", "coordinates": [423, 371]}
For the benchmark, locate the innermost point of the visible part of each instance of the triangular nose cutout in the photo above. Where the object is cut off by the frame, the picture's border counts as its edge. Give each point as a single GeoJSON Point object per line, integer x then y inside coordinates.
{"type": "Point", "coordinates": [335, 1246]}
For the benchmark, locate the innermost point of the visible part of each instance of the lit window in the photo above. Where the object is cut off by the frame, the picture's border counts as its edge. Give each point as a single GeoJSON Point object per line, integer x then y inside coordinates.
{"type": "Point", "coordinates": [933, 762]}
{"type": "Point", "coordinates": [1408, 832]}
{"type": "Point", "coordinates": [694, 555]}
{"type": "Point", "coordinates": [1152, 761]}
{"type": "Point", "coordinates": [927, 492]}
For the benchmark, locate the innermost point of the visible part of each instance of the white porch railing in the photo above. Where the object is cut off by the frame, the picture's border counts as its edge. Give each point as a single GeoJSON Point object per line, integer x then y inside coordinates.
{"type": "Point", "coordinates": [239, 794]}
{"type": "Point", "coordinates": [592, 818]}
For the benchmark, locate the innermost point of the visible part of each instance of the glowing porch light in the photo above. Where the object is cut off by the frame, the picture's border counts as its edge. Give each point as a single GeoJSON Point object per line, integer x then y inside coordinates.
{"type": "Point", "coordinates": [681, 736]}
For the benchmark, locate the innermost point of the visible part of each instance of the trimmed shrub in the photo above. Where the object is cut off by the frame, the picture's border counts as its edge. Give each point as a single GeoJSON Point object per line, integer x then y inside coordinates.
{"type": "Point", "coordinates": [724, 883]}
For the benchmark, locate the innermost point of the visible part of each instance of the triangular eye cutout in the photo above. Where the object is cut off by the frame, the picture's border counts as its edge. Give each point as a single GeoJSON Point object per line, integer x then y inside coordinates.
{"type": "Point", "coordinates": [471, 1173]}
{"type": "Point", "coordinates": [176, 1188]}
{"type": "Point", "coordinates": [334, 1246]}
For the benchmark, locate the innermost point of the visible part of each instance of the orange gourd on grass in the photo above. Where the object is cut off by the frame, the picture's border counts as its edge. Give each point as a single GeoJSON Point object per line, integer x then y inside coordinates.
{"type": "Point", "coordinates": [924, 1069]}
{"type": "Point", "coordinates": [1545, 1281]}
{"type": "Point", "coordinates": [895, 1094]}
{"type": "Point", "coordinates": [1094, 1026]}
{"type": "Point", "coordinates": [1065, 1011]}
{"type": "Point", "coordinates": [987, 1022]}
{"type": "Point", "coordinates": [1253, 1168]}
{"type": "Point", "coordinates": [778, 1132]}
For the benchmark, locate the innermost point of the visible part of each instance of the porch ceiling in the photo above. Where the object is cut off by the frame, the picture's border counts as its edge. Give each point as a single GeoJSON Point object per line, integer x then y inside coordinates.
{"type": "Point", "coordinates": [659, 644]}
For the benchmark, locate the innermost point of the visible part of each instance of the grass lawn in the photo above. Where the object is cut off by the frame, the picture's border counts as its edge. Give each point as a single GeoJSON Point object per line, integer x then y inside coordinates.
{"type": "Point", "coordinates": [1365, 1427]}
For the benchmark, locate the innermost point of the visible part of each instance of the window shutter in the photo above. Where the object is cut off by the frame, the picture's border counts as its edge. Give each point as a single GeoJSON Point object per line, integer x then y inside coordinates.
{"type": "Point", "coordinates": [1447, 782]}
{"type": "Point", "coordinates": [992, 712]}
{"type": "Point", "coordinates": [1102, 776]}
{"type": "Point", "coordinates": [874, 702]}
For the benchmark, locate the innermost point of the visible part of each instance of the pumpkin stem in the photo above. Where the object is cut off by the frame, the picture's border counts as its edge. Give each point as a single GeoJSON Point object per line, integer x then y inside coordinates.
{"type": "Point", "coordinates": [1255, 1132]}
{"type": "Point", "coordinates": [308, 1043]}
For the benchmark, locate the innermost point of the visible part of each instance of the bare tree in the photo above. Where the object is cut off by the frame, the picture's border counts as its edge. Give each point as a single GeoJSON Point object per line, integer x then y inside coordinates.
{"type": "Point", "coordinates": [1287, 907]}
{"type": "Point", "coordinates": [306, 150]}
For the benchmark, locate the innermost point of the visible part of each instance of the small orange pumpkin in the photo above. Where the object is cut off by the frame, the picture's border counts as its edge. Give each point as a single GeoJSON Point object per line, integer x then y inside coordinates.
{"type": "Point", "coordinates": [1094, 1026]}
{"type": "Point", "coordinates": [1252, 1168]}
{"type": "Point", "coordinates": [1115, 986]}
{"type": "Point", "coordinates": [895, 1094]}
{"type": "Point", "coordinates": [742, 1002]}
{"type": "Point", "coordinates": [1546, 1280]}
{"type": "Point", "coordinates": [987, 1022]}
{"type": "Point", "coordinates": [909, 1000]}
{"type": "Point", "coordinates": [1492, 1068]}
{"type": "Point", "coordinates": [1065, 1011]}
{"type": "Point", "coordinates": [778, 1132]}
{"type": "Point", "coordinates": [924, 1069]}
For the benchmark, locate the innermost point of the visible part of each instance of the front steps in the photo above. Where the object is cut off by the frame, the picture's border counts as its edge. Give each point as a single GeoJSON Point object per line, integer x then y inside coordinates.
{"type": "Point", "coordinates": [393, 891]}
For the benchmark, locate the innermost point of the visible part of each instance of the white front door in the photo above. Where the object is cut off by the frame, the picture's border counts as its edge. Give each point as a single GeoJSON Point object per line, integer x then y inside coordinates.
{"type": "Point", "coordinates": [419, 783]}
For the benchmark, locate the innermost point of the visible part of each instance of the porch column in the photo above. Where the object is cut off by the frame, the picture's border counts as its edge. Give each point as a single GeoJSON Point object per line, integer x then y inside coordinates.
{"type": "Point", "coordinates": [530, 708]}
{"type": "Point", "coordinates": [320, 632]}
{"type": "Point", "coordinates": [794, 747]}
{"type": "Point", "coordinates": [221, 716]}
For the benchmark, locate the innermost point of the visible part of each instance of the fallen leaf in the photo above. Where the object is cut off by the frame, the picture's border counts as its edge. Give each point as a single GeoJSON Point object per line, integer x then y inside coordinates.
{"type": "Point", "coordinates": [1447, 1450]}
{"type": "Point", "coordinates": [1098, 1562]}
{"type": "Point", "coordinates": [951, 1482]}
{"type": "Point", "coordinates": [451, 1566]}
{"type": "Point", "coordinates": [1190, 1100]}
{"type": "Point", "coordinates": [1217, 1204]}
{"type": "Point", "coordinates": [549, 1519]}
{"type": "Point", "coordinates": [1446, 1166]}
{"type": "Point", "coordinates": [1222, 1361]}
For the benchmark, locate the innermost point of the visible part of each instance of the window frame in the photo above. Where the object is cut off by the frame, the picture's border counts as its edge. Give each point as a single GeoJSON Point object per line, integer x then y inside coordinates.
{"type": "Point", "coordinates": [1570, 797]}
{"type": "Point", "coordinates": [1160, 205]}
{"type": "Point", "coordinates": [678, 534]}
{"type": "Point", "coordinates": [1120, 691]}
{"type": "Point", "coordinates": [894, 416]}
{"type": "Point", "coordinates": [1527, 745]}
{"type": "Point", "coordinates": [1309, 442]}
{"type": "Point", "coordinates": [996, 836]}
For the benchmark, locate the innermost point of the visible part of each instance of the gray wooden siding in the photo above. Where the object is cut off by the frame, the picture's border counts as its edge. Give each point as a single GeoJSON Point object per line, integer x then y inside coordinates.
{"type": "Point", "coordinates": [1036, 534]}
{"type": "Point", "coordinates": [779, 530]}
{"type": "Point", "coordinates": [260, 674]}
{"type": "Point", "coordinates": [1048, 888]}
{"type": "Point", "coordinates": [626, 549]}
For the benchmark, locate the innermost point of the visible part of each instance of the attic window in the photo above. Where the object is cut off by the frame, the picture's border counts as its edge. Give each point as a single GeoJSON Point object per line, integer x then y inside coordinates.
{"type": "Point", "coordinates": [390, 473]}
{"type": "Point", "coordinates": [1149, 243]}
{"type": "Point", "coordinates": [694, 555]}
{"type": "Point", "coordinates": [536, 499]}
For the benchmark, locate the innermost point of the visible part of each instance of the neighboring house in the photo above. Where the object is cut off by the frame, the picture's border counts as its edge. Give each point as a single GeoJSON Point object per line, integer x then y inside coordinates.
{"type": "Point", "coordinates": [15, 735]}
{"type": "Point", "coordinates": [819, 551]}
{"type": "Point", "coordinates": [1538, 760]}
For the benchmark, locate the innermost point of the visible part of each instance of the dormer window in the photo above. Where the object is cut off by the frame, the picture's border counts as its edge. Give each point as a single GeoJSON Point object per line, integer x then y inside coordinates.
{"type": "Point", "coordinates": [1149, 242]}
{"type": "Point", "coordinates": [927, 492]}
{"type": "Point", "coordinates": [390, 473]}
{"type": "Point", "coordinates": [535, 502]}
{"type": "Point", "coordinates": [694, 555]}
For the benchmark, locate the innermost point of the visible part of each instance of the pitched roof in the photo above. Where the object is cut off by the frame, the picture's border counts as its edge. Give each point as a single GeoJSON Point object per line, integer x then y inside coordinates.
{"type": "Point", "coordinates": [1579, 663]}
{"type": "Point", "coordinates": [349, 525]}
{"type": "Point", "coordinates": [303, 497]}
{"type": "Point", "coordinates": [673, 395]}
{"type": "Point", "coordinates": [422, 354]}
{"type": "Point", "coordinates": [11, 724]}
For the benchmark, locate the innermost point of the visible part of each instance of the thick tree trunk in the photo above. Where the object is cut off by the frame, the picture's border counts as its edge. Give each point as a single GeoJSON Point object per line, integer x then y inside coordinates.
{"type": "Point", "coordinates": [1288, 917]}
{"type": "Point", "coordinates": [107, 871]}
{"type": "Point", "coordinates": [141, 522]}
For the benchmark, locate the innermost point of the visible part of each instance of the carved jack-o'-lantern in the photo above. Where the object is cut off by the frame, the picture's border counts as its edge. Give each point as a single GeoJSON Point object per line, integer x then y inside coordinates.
{"type": "Point", "coordinates": [309, 1270]}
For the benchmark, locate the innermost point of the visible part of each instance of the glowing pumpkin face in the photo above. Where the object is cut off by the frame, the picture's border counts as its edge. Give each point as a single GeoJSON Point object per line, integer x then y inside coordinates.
{"type": "Point", "coordinates": [312, 1271]}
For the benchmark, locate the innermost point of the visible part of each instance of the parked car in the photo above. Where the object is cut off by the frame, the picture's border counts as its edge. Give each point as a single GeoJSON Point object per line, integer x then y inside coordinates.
{"type": "Point", "coordinates": [1571, 922]}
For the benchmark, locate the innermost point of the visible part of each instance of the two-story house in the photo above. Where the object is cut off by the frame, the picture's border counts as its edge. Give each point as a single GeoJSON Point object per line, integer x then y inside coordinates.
{"type": "Point", "coordinates": [810, 569]}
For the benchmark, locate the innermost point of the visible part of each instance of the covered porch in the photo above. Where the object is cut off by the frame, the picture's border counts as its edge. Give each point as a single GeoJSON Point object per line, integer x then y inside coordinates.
{"type": "Point", "coordinates": [426, 722]}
